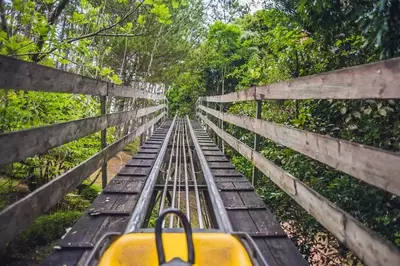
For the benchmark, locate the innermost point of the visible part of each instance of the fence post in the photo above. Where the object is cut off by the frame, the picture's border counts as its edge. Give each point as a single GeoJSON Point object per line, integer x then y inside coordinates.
{"type": "Point", "coordinates": [221, 141]}
{"type": "Point", "coordinates": [256, 141]}
{"type": "Point", "coordinates": [103, 102]}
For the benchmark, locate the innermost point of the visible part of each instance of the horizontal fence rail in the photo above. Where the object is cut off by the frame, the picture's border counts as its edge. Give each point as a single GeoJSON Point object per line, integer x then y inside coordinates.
{"type": "Point", "coordinates": [19, 145]}
{"type": "Point", "coordinates": [39, 140]}
{"type": "Point", "coordinates": [374, 166]}
{"type": "Point", "coordinates": [371, 81]}
{"type": "Point", "coordinates": [371, 165]}
{"type": "Point", "coordinates": [16, 217]}
{"type": "Point", "coordinates": [366, 244]}
{"type": "Point", "coordinates": [21, 75]}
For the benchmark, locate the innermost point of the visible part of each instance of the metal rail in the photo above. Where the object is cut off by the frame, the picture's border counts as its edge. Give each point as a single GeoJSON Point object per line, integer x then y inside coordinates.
{"type": "Point", "coordinates": [138, 215]}
{"type": "Point", "coordinates": [196, 188]}
{"type": "Point", "coordinates": [177, 160]}
{"type": "Point", "coordinates": [218, 206]}
{"type": "Point", "coordinates": [164, 194]}
{"type": "Point", "coordinates": [186, 174]}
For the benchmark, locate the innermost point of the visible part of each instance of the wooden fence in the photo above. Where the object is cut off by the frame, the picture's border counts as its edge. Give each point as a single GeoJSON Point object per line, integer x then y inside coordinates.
{"type": "Point", "coordinates": [19, 145]}
{"type": "Point", "coordinates": [374, 166]}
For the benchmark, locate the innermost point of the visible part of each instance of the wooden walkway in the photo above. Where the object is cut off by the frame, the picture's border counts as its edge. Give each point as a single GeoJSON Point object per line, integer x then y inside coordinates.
{"type": "Point", "coordinates": [110, 212]}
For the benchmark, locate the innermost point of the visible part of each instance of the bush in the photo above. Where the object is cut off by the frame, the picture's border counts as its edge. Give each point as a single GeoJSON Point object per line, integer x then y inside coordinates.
{"type": "Point", "coordinates": [73, 202]}
{"type": "Point", "coordinates": [42, 232]}
{"type": "Point", "coordinates": [89, 193]}
{"type": "Point", "coordinates": [133, 147]}
{"type": "Point", "coordinates": [47, 228]}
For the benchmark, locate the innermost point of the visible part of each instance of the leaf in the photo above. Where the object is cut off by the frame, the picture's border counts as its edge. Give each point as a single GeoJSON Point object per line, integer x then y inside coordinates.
{"type": "Point", "coordinates": [162, 13]}
{"type": "Point", "coordinates": [370, 101]}
{"type": "Point", "coordinates": [382, 112]}
{"type": "Point", "coordinates": [368, 111]}
{"type": "Point", "coordinates": [352, 127]}
{"type": "Point", "coordinates": [175, 3]}
{"type": "Point", "coordinates": [356, 114]}
{"type": "Point", "coordinates": [389, 109]}
{"type": "Point", "coordinates": [141, 19]}
{"type": "Point", "coordinates": [379, 105]}
{"type": "Point", "coordinates": [348, 118]}
{"type": "Point", "coordinates": [343, 110]}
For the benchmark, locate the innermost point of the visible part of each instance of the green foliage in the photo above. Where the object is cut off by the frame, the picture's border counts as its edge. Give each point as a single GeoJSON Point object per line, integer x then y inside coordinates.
{"type": "Point", "coordinates": [43, 231]}
{"type": "Point", "coordinates": [89, 193]}
{"type": "Point", "coordinates": [133, 147]}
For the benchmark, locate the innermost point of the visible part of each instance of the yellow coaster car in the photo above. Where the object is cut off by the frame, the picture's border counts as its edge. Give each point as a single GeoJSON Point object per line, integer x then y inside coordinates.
{"type": "Point", "coordinates": [203, 248]}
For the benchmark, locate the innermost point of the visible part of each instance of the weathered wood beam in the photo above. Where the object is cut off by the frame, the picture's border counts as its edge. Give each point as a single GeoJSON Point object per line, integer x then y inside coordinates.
{"type": "Point", "coordinates": [16, 217]}
{"type": "Point", "coordinates": [367, 245]}
{"type": "Point", "coordinates": [16, 146]}
{"type": "Point", "coordinates": [22, 75]}
{"type": "Point", "coordinates": [370, 81]}
{"type": "Point", "coordinates": [371, 165]}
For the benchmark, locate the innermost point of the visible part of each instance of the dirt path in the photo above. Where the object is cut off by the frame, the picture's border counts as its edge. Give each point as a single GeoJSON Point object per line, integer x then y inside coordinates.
{"type": "Point", "coordinates": [114, 165]}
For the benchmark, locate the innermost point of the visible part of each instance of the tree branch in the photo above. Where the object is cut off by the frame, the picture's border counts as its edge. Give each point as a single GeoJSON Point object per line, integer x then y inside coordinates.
{"type": "Point", "coordinates": [105, 28]}
{"type": "Point", "coordinates": [52, 19]}
{"type": "Point", "coordinates": [118, 35]}
{"type": "Point", "coordinates": [96, 33]}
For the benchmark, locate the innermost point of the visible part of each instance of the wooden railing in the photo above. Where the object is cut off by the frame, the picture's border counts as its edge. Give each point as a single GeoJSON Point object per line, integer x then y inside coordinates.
{"type": "Point", "coordinates": [19, 145]}
{"type": "Point", "coordinates": [374, 166]}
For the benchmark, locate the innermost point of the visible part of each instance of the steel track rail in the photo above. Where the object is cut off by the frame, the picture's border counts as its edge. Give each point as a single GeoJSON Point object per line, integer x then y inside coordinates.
{"type": "Point", "coordinates": [196, 188]}
{"type": "Point", "coordinates": [138, 216]}
{"type": "Point", "coordinates": [217, 204]}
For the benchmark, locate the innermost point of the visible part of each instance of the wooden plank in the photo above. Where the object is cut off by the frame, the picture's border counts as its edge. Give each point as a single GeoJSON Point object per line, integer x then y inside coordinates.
{"type": "Point", "coordinates": [371, 248]}
{"type": "Point", "coordinates": [153, 151]}
{"type": "Point", "coordinates": [22, 75]}
{"type": "Point", "coordinates": [241, 221]}
{"type": "Point", "coordinates": [139, 162]}
{"type": "Point", "coordinates": [133, 186]}
{"type": "Point", "coordinates": [243, 185]}
{"type": "Point", "coordinates": [251, 198]}
{"type": "Point", "coordinates": [220, 165]}
{"type": "Point", "coordinates": [231, 198]}
{"type": "Point", "coordinates": [16, 146]}
{"type": "Point", "coordinates": [225, 185]}
{"type": "Point", "coordinates": [41, 139]}
{"type": "Point", "coordinates": [370, 81]}
{"type": "Point", "coordinates": [133, 91]}
{"type": "Point", "coordinates": [214, 148]}
{"type": "Point", "coordinates": [212, 153]}
{"type": "Point", "coordinates": [266, 253]}
{"type": "Point", "coordinates": [20, 214]}
{"type": "Point", "coordinates": [151, 146]}
{"type": "Point", "coordinates": [121, 117]}
{"type": "Point", "coordinates": [374, 166]}
{"type": "Point", "coordinates": [145, 156]}
{"type": "Point", "coordinates": [216, 159]}
{"type": "Point", "coordinates": [226, 173]}
{"type": "Point", "coordinates": [229, 179]}
{"type": "Point", "coordinates": [266, 222]}
{"type": "Point", "coordinates": [285, 252]}
{"type": "Point", "coordinates": [134, 171]}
